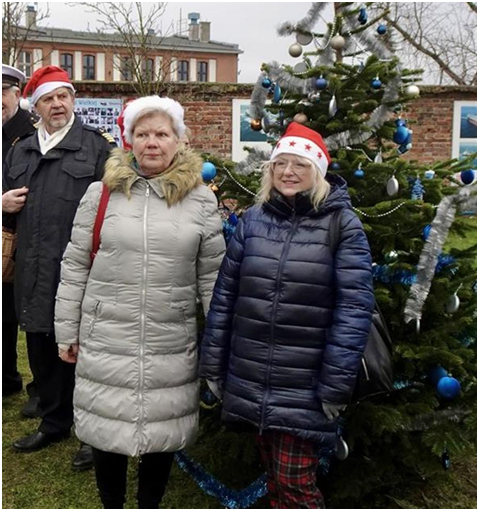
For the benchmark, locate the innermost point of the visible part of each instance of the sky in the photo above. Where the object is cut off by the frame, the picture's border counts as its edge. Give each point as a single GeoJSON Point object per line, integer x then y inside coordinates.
{"type": "Point", "coordinates": [251, 25]}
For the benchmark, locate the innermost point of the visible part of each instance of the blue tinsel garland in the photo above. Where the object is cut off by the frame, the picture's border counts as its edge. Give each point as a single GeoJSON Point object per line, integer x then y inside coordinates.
{"type": "Point", "coordinates": [231, 499]}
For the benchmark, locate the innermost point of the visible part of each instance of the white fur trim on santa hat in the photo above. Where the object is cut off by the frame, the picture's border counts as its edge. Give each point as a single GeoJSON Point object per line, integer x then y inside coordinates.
{"type": "Point", "coordinates": [150, 104]}
{"type": "Point", "coordinates": [48, 87]}
{"type": "Point", "coordinates": [302, 147]}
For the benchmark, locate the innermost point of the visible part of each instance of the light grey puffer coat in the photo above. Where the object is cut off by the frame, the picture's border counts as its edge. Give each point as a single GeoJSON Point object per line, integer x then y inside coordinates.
{"type": "Point", "coordinates": [134, 312]}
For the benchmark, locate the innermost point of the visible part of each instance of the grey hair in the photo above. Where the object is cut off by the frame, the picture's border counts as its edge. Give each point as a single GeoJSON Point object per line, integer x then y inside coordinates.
{"type": "Point", "coordinates": [152, 111]}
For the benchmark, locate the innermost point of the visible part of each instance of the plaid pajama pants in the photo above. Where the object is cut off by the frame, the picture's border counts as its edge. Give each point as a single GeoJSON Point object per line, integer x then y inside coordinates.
{"type": "Point", "coordinates": [291, 471]}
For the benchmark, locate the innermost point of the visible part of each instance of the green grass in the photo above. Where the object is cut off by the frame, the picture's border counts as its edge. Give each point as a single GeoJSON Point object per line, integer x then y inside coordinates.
{"type": "Point", "coordinates": [44, 480]}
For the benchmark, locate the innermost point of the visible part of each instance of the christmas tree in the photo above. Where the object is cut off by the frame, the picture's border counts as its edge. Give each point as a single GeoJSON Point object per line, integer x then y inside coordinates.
{"type": "Point", "coordinates": [353, 90]}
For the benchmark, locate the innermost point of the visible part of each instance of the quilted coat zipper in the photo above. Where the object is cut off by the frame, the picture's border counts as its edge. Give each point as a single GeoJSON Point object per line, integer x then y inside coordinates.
{"type": "Point", "coordinates": [279, 279]}
{"type": "Point", "coordinates": [144, 287]}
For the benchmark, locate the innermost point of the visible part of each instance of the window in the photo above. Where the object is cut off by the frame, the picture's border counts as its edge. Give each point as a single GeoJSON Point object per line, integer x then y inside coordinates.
{"type": "Point", "coordinates": [126, 69]}
{"type": "Point", "coordinates": [88, 67]}
{"type": "Point", "coordinates": [25, 63]}
{"type": "Point", "coordinates": [183, 71]}
{"type": "Point", "coordinates": [202, 71]}
{"type": "Point", "coordinates": [147, 69]}
{"type": "Point", "coordinates": [66, 63]}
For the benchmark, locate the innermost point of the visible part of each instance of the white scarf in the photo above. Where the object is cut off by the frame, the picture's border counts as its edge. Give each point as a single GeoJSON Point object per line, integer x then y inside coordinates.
{"type": "Point", "coordinates": [48, 141]}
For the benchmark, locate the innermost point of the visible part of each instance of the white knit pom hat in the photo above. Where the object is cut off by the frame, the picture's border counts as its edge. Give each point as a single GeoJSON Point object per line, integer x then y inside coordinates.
{"type": "Point", "coordinates": [150, 104]}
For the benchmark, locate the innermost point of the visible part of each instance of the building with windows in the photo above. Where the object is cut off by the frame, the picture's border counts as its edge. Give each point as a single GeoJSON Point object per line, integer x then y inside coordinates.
{"type": "Point", "coordinates": [103, 57]}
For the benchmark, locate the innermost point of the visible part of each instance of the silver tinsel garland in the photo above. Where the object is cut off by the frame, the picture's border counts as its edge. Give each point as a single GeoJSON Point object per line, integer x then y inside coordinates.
{"type": "Point", "coordinates": [306, 24]}
{"type": "Point", "coordinates": [253, 161]}
{"type": "Point", "coordinates": [440, 226]}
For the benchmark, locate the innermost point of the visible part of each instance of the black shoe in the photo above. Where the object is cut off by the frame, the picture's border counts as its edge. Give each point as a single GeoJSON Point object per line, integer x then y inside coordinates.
{"type": "Point", "coordinates": [8, 390]}
{"type": "Point", "coordinates": [112, 504]}
{"type": "Point", "coordinates": [83, 459]}
{"type": "Point", "coordinates": [38, 440]}
{"type": "Point", "coordinates": [31, 409]}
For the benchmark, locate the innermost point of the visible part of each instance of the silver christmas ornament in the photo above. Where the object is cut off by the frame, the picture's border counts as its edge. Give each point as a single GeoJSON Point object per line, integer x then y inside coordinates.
{"type": "Point", "coordinates": [393, 186]}
{"type": "Point", "coordinates": [338, 42]}
{"type": "Point", "coordinates": [295, 50]}
{"type": "Point", "coordinates": [314, 96]}
{"type": "Point", "coordinates": [303, 39]}
{"type": "Point", "coordinates": [300, 118]}
{"type": "Point", "coordinates": [333, 107]}
{"type": "Point", "coordinates": [412, 91]}
{"type": "Point", "coordinates": [300, 67]}
{"type": "Point", "coordinates": [378, 158]}
{"type": "Point", "coordinates": [453, 304]}
{"type": "Point", "coordinates": [266, 124]}
{"type": "Point", "coordinates": [342, 449]}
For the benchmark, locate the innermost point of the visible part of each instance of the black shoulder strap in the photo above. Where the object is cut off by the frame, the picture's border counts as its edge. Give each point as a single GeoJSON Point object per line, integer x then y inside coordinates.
{"type": "Point", "coordinates": [335, 229]}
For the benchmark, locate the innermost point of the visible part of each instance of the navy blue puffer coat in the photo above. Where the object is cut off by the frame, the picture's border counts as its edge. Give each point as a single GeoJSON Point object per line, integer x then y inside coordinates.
{"type": "Point", "coordinates": [288, 321]}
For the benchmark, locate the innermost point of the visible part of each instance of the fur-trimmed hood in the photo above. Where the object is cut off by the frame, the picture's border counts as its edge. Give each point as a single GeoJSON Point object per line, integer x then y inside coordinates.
{"type": "Point", "coordinates": [183, 175]}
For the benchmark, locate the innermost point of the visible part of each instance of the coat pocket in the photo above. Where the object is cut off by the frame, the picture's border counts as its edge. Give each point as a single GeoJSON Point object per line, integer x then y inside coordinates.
{"type": "Point", "coordinates": [74, 180]}
{"type": "Point", "coordinates": [96, 313]}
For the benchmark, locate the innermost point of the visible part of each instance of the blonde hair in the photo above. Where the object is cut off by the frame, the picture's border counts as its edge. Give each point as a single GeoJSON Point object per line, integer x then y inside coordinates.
{"type": "Point", "coordinates": [318, 192]}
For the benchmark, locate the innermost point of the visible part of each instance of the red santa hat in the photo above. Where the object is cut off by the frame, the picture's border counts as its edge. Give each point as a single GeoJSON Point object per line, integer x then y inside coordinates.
{"type": "Point", "coordinates": [121, 124]}
{"type": "Point", "coordinates": [43, 81]}
{"type": "Point", "coordinates": [304, 142]}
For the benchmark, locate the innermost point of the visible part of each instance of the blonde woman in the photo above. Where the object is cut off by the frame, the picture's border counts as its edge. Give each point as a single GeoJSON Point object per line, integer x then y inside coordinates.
{"type": "Point", "coordinates": [289, 318]}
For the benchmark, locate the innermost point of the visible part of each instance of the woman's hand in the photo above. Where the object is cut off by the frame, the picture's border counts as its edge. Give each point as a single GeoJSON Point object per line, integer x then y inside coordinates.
{"type": "Point", "coordinates": [332, 411]}
{"type": "Point", "coordinates": [68, 354]}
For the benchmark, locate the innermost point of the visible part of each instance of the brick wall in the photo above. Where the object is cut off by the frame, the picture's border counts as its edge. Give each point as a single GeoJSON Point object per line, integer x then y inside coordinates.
{"type": "Point", "coordinates": [431, 118]}
{"type": "Point", "coordinates": [208, 113]}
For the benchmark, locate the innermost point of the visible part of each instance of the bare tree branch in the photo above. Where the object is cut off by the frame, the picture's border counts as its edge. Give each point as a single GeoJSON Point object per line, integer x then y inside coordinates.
{"type": "Point", "coordinates": [133, 33]}
{"type": "Point", "coordinates": [440, 37]}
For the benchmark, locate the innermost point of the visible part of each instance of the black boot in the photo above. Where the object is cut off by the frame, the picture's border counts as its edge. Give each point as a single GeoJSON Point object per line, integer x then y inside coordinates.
{"type": "Point", "coordinates": [112, 504]}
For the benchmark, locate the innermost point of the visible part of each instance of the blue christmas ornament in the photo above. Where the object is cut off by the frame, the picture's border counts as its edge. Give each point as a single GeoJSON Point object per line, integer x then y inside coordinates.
{"type": "Point", "coordinates": [321, 83]}
{"type": "Point", "coordinates": [277, 93]}
{"type": "Point", "coordinates": [468, 176]}
{"type": "Point", "coordinates": [400, 122]}
{"type": "Point", "coordinates": [400, 135]}
{"type": "Point", "coordinates": [376, 83]}
{"type": "Point", "coordinates": [448, 387]}
{"type": "Point", "coordinates": [363, 16]}
{"type": "Point", "coordinates": [335, 166]}
{"type": "Point", "coordinates": [382, 29]}
{"type": "Point", "coordinates": [436, 373]}
{"type": "Point", "coordinates": [425, 232]}
{"type": "Point", "coordinates": [403, 148]}
{"type": "Point", "coordinates": [208, 171]}
{"type": "Point", "coordinates": [266, 83]}
{"type": "Point", "coordinates": [417, 191]}
{"type": "Point", "coordinates": [359, 173]}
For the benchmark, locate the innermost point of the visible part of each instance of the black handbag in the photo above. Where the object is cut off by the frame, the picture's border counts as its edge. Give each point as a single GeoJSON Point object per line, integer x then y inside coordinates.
{"type": "Point", "coordinates": [375, 376]}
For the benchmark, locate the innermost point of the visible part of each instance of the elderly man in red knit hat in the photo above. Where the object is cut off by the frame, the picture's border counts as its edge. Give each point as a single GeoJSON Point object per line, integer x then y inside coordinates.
{"type": "Point", "coordinates": [45, 175]}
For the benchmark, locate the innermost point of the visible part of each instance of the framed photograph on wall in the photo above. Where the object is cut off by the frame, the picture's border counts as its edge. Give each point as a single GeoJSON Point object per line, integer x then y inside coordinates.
{"type": "Point", "coordinates": [464, 132]}
{"type": "Point", "coordinates": [243, 135]}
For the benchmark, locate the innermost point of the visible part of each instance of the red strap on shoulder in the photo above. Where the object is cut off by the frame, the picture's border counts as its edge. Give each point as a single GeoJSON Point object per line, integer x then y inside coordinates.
{"type": "Point", "coordinates": [100, 216]}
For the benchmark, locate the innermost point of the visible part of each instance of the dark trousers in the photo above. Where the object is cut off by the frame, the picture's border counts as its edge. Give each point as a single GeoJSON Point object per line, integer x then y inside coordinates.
{"type": "Point", "coordinates": [153, 473]}
{"type": "Point", "coordinates": [54, 381]}
{"type": "Point", "coordinates": [11, 378]}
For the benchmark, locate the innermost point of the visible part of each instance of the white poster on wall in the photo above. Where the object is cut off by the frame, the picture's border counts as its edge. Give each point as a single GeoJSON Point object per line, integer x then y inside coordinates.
{"type": "Point", "coordinates": [243, 135]}
{"type": "Point", "coordinates": [101, 113]}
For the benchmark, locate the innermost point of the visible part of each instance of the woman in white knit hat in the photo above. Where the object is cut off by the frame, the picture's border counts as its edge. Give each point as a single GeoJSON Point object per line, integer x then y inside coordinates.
{"type": "Point", "coordinates": [129, 318]}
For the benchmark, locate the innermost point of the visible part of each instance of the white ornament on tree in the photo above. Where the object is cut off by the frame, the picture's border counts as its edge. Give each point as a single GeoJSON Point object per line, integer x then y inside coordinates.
{"type": "Point", "coordinates": [338, 42]}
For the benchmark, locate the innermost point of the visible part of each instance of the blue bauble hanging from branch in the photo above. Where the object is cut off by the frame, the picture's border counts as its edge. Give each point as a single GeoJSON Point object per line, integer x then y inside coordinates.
{"type": "Point", "coordinates": [363, 16]}
{"type": "Point", "coordinates": [382, 29]}
{"type": "Point", "coordinates": [266, 83]}
{"type": "Point", "coordinates": [277, 93]}
{"type": "Point", "coordinates": [376, 83]}
{"type": "Point", "coordinates": [209, 171]}
{"type": "Point", "coordinates": [321, 83]}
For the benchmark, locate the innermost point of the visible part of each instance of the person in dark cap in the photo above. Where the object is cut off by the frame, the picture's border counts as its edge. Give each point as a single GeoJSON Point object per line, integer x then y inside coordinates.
{"type": "Point", "coordinates": [16, 123]}
{"type": "Point", "coordinates": [44, 178]}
